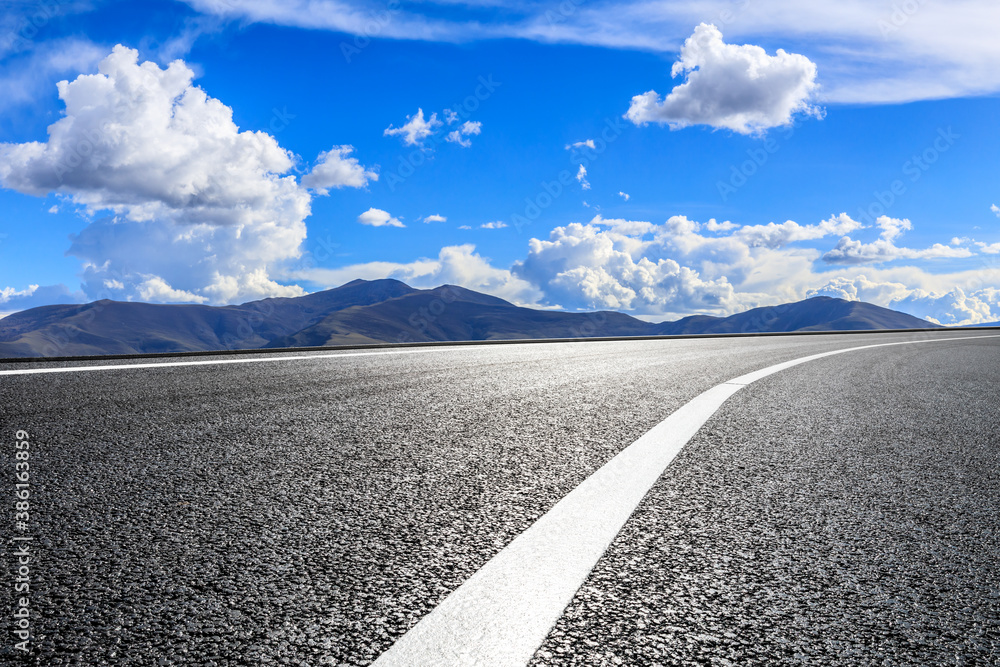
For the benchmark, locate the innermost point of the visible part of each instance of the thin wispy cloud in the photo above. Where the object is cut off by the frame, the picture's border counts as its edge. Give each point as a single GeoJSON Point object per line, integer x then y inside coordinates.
{"type": "Point", "coordinates": [867, 52]}
{"type": "Point", "coordinates": [462, 135]}
{"type": "Point", "coordinates": [416, 128]}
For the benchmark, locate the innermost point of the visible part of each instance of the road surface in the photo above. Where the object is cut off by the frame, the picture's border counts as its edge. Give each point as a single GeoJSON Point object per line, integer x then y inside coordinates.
{"type": "Point", "coordinates": [313, 511]}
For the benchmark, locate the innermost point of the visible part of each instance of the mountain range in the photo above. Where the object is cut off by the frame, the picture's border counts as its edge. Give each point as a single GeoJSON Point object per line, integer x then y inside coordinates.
{"type": "Point", "coordinates": [382, 311]}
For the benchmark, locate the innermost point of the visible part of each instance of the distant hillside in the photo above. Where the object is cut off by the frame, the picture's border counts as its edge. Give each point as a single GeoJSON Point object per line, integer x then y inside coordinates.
{"type": "Point", "coordinates": [452, 313]}
{"type": "Point", "coordinates": [821, 313]}
{"type": "Point", "coordinates": [382, 311]}
{"type": "Point", "coordinates": [116, 327]}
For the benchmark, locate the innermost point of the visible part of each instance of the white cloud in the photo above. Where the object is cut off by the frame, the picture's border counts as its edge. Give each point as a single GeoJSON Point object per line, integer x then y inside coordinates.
{"type": "Point", "coordinates": [416, 128]}
{"type": "Point", "coordinates": [773, 235]}
{"type": "Point", "coordinates": [467, 129]}
{"type": "Point", "coordinates": [867, 52]}
{"type": "Point", "coordinates": [353, 18]}
{"type": "Point", "coordinates": [464, 227]}
{"type": "Point", "coordinates": [9, 293]}
{"type": "Point", "coordinates": [892, 228]}
{"type": "Point", "coordinates": [626, 227]}
{"type": "Point", "coordinates": [336, 169]}
{"type": "Point", "coordinates": [669, 270]}
{"type": "Point", "coordinates": [589, 143]}
{"type": "Point", "coordinates": [376, 217]}
{"type": "Point", "coordinates": [624, 195]}
{"type": "Point", "coordinates": [728, 86]}
{"type": "Point", "coordinates": [581, 176]}
{"type": "Point", "coordinates": [714, 226]}
{"type": "Point", "coordinates": [673, 269]}
{"type": "Point", "coordinates": [157, 290]}
{"type": "Point", "coordinates": [435, 218]}
{"type": "Point", "coordinates": [192, 199]}
{"type": "Point", "coordinates": [497, 224]}
{"type": "Point", "coordinates": [849, 251]}
{"type": "Point", "coordinates": [229, 289]}
{"type": "Point", "coordinates": [952, 306]}
{"type": "Point", "coordinates": [583, 266]}
{"type": "Point", "coordinates": [995, 209]}
{"type": "Point", "coordinates": [14, 300]}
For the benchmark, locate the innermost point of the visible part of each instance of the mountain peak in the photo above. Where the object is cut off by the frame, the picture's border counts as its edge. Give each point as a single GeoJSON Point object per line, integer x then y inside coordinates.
{"type": "Point", "coordinates": [382, 311]}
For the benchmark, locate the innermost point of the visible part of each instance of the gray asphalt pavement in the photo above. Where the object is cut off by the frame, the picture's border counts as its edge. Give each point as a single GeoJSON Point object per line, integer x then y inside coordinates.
{"type": "Point", "coordinates": [310, 512]}
{"type": "Point", "coordinates": [844, 512]}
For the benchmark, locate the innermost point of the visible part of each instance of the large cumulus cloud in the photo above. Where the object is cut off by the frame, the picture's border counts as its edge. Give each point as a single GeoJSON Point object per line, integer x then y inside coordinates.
{"type": "Point", "coordinates": [680, 267]}
{"type": "Point", "coordinates": [186, 206]}
{"type": "Point", "coordinates": [738, 87]}
{"type": "Point", "coordinates": [585, 266]}
{"type": "Point", "coordinates": [884, 249]}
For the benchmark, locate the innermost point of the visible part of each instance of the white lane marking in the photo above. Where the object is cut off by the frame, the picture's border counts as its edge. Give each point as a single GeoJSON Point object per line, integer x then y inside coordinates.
{"type": "Point", "coordinates": [502, 614]}
{"type": "Point", "coordinates": [214, 362]}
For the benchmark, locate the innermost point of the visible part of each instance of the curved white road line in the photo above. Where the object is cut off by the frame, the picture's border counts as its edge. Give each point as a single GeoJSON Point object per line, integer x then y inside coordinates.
{"type": "Point", "coordinates": [502, 614]}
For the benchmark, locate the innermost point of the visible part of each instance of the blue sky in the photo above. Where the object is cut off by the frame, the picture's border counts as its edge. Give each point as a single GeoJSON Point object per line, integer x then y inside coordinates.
{"type": "Point", "coordinates": [218, 151]}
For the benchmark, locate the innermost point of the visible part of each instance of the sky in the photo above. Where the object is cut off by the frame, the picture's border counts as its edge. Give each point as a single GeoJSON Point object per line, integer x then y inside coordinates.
{"type": "Point", "coordinates": [656, 158]}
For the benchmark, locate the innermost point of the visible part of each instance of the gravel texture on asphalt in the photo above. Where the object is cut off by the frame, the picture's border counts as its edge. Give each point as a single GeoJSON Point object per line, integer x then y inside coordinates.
{"type": "Point", "coordinates": [310, 512]}
{"type": "Point", "coordinates": [843, 512]}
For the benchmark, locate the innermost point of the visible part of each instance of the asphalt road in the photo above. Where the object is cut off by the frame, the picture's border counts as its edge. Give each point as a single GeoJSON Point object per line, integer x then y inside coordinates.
{"type": "Point", "coordinates": [844, 512]}
{"type": "Point", "coordinates": [310, 512]}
